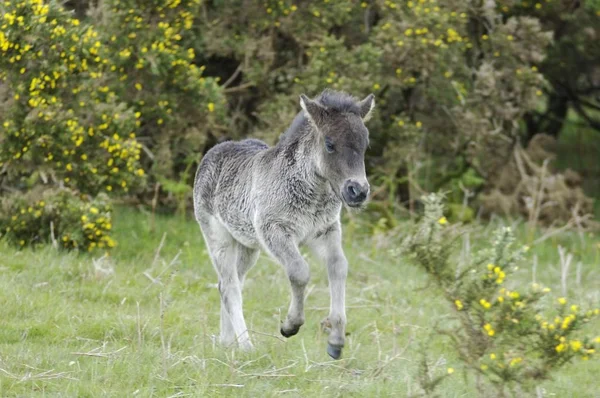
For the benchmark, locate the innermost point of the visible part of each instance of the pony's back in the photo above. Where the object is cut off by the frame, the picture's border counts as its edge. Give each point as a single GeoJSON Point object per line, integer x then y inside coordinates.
{"type": "Point", "coordinates": [222, 167]}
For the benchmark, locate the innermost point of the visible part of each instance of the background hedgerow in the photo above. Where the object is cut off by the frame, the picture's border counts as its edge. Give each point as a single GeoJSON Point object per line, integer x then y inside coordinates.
{"type": "Point", "coordinates": [510, 337]}
{"type": "Point", "coordinates": [461, 86]}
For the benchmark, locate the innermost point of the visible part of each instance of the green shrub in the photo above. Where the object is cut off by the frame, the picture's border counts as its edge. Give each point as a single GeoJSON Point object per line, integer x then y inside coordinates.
{"type": "Point", "coordinates": [70, 220]}
{"type": "Point", "coordinates": [509, 337]}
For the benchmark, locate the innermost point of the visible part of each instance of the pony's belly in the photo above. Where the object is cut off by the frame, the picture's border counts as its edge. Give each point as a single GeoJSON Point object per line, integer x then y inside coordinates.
{"type": "Point", "coordinates": [246, 239]}
{"type": "Point", "coordinates": [241, 230]}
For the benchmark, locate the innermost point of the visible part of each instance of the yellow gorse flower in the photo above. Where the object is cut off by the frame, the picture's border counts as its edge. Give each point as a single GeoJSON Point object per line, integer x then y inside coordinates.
{"type": "Point", "coordinates": [515, 361]}
{"type": "Point", "coordinates": [485, 304]}
{"type": "Point", "coordinates": [575, 345]}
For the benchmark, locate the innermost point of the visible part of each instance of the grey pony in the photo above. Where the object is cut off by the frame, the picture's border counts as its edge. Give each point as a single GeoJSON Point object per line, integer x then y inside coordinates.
{"type": "Point", "coordinates": [249, 196]}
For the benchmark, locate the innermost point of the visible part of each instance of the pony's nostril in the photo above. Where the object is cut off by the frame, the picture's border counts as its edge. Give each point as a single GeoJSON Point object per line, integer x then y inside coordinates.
{"type": "Point", "coordinates": [354, 193]}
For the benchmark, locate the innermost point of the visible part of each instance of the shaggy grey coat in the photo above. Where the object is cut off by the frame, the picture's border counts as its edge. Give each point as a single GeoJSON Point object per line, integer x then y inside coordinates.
{"type": "Point", "coordinates": [249, 196]}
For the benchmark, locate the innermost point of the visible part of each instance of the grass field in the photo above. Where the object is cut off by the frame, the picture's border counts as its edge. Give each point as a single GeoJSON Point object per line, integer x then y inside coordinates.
{"type": "Point", "coordinates": [141, 323]}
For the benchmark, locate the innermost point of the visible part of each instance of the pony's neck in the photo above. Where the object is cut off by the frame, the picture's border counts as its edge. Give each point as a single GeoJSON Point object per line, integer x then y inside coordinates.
{"type": "Point", "coordinates": [300, 148]}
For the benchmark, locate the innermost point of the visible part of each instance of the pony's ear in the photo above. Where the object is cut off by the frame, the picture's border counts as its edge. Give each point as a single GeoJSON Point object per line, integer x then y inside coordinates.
{"type": "Point", "coordinates": [314, 110]}
{"type": "Point", "coordinates": [366, 107]}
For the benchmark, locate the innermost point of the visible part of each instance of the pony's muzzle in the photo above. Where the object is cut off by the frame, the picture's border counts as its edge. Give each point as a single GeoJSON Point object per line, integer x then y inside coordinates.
{"type": "Point", "coordinates": [355, 193]}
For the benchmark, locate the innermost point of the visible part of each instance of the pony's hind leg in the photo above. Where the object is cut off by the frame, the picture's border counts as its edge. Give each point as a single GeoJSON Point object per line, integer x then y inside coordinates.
{"type": "Point", "coordinates": [225, 251]}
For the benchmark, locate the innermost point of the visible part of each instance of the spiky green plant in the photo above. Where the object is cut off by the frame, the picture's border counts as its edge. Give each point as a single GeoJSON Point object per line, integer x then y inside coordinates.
{"type": "Point", "coordinates": [502, 336]}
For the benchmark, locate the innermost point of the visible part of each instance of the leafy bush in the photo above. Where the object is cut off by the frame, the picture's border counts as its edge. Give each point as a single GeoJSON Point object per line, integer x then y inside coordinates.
{"type": "Point", "coordinates": [70, 220]}
{"type": "Point", "coordinates": [571, 63]}
{"type": "Point", "coordinates": [63, 128]}
{"type": "Point", "coordinates": [509, 337]}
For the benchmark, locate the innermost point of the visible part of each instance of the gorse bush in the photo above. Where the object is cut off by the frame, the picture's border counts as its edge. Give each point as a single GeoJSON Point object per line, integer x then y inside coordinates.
{"type": "Point", "coordinates": [64, 131]}
{"type": "Point", "coordinates": [510, 337]}
{"type": "Point", "coordinates": [131, 73]}
{"type": "Point", "coordinates": [63, 124]}
{"type": "Point", "coordinates": [61, 215]}
{"type": "Point", "coordinates": [153, 46]}
{"type": "Point", "coordinates": [77, 97]}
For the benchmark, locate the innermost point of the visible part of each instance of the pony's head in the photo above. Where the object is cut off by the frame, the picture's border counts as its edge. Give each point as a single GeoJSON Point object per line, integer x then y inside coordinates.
{"type": "Point", "coordinates": [338, 121]}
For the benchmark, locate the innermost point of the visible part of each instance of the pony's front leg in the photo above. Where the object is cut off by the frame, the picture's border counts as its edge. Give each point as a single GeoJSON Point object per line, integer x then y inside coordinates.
{"type": "Point", "coordinates": [328, 248]}
{"type": "Point", "coordinates": [279, 243]}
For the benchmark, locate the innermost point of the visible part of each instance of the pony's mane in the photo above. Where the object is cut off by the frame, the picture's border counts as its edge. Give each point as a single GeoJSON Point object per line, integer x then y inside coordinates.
{"type": "Point", "coordinates": [339, 101]}
{"type": "Point", "coordinates": [336, 100]}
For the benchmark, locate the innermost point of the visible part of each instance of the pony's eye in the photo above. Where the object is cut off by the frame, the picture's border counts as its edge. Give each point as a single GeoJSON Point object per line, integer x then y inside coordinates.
{"type": "Point", "coordinates": [329, 145]}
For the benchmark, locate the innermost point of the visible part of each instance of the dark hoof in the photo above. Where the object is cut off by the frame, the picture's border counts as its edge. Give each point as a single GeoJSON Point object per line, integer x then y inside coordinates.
{"type": "Point", "coordinates": [289, 333]}
{"type": "Point", "coordinates": [334, 351]}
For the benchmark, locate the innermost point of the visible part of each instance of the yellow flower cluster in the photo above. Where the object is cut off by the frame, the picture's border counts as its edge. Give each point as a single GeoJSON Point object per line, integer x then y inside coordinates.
{"type": "Point", "coordinates": [19, 219]}
{"type": "Point", "coordinates": [515, 361]}
{"type": "Point", "coordinates": [485, 304]}
{"type": "Point", "coordinates": [459, 304]}
{"type": "Point", "coordinates": [423, 32]}
{"type": "Point", "coordinates": [498, 274]}
{"type": "Point", "coordinates": [96, 226]}
{"type": "Point", "coordinates": [556, 332]}
{"type": "Point", "coordinates": [278, 12]}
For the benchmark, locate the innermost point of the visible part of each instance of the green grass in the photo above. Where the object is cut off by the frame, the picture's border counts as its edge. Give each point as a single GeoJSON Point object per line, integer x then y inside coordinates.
{"type": "Point", "coordinates": [75, 325]}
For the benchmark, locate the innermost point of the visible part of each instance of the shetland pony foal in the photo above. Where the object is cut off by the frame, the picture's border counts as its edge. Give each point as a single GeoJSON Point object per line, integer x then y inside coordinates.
{"type": "Point", "coordinates": [248, 196]}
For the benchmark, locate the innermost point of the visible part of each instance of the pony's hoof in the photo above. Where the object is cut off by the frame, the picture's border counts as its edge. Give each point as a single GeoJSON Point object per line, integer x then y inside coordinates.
{"type": "Point", "coordinates": [289, 333]}
{"type": "Point", "coordinates": [246, 347]}
{"type": "Point", "coordinates": [334, 351]}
